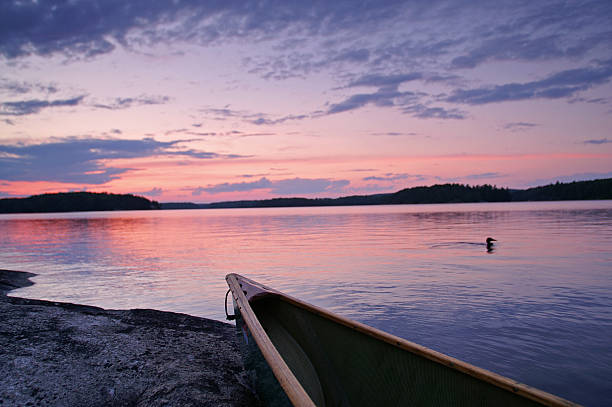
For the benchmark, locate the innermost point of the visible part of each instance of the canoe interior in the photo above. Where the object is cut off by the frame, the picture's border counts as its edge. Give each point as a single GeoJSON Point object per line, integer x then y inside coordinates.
{"type": "Point", "coordinates": [261, 378]}
{"type": "Point", "coordinates": [339, 366]}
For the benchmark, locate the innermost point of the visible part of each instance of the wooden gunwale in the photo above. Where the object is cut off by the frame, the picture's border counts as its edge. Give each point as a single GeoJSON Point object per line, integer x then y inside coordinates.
{"type": "Point", "coordinates": [292, 387]}
{"type": "Point", "coordinates": [515, 387]}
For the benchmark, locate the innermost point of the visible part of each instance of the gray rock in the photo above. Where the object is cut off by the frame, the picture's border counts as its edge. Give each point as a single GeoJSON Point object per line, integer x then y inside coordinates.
{"type": "Point", "coordinates": [62, 354]}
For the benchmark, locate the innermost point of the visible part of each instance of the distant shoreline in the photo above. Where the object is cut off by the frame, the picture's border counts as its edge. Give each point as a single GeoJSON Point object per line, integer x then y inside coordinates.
{"type": "Point", "coordinates": [600, 189]}
{"type": "Point", "coordinates": [436, 194]}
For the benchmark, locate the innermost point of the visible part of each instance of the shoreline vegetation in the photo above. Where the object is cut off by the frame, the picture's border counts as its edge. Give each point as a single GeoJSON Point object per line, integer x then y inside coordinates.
{"type": "Point", "coordinates": [443, 193]}
{"type": "Point", "coordinates": [76, 202]}
{"type": "Point", "coordinates": [63, 354]}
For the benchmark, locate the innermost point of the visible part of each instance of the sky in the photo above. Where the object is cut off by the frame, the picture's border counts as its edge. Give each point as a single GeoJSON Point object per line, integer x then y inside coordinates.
{"type": "Point", "coordinates": [205, 101]}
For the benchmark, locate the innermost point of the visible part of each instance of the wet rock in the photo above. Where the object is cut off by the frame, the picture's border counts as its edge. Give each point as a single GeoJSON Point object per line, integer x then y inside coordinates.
{"type": "Point", "coordinates": [61, 354]}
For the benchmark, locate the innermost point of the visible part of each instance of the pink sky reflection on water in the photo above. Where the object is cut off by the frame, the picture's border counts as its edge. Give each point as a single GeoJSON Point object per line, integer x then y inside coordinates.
{"type": "Point", "coordinates": [419, 271]}
{"type": "Point", "coordinates": [178, 259]}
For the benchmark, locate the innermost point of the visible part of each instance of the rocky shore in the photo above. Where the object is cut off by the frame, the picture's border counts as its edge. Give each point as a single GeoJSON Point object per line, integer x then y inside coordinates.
{"type": "Point", "coordinates": [62, 354]}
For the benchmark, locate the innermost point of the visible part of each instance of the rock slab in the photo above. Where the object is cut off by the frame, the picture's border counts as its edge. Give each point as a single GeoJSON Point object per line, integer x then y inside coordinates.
{"type": "Point", "coordinates": [62, 354]}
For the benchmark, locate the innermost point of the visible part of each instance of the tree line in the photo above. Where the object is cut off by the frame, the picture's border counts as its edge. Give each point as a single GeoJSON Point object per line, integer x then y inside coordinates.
{"type": "Point", "coordinates": [443, 193]}
{"type": "Point", "coordinates": [76, 201]}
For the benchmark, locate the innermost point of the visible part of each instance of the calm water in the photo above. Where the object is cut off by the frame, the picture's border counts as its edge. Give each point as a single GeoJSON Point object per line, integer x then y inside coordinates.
{"type": "Point", "coordinates": [537, 309]}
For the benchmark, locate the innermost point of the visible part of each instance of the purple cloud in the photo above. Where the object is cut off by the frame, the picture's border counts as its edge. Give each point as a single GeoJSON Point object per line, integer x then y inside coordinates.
{"type": "Point", "coordinates": [95, 27]}
{"type": "Point", "coordinates": [598, 141]}
{"type": "Point", "coordinates": [559, 85]}
{"type": "Point", "coordinates": [389, 95]}
{"type": "Point", "coordinates": [153, 192]}
{"type": "Point", "coordinates": [390, 177]}
{"type": "Point", "coordinates": [125, 103]}
{"type": "Point", "coordinates": [74, 160]}
{"type": "Point", "coordinates": [27, 107]}
{"type": "Point", "coordinates": [22, 87]}
{"type": "Point", "coordinates": [519, 126]}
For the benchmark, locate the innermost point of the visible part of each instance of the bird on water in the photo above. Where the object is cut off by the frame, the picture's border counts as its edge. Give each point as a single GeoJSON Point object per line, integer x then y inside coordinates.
{"type": "Point", "coordinates": [490, 243]}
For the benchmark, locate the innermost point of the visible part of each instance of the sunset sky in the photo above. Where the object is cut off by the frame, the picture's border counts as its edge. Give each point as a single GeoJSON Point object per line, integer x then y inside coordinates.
{"type": "Point", "coordinates": [203, 101]}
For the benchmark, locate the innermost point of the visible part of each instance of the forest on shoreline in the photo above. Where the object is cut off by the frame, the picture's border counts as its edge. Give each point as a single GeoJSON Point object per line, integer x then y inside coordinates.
{"type": "Point", "coordinates": [443, 193]}
{"type": "Point", "coordinates": [76, 202]}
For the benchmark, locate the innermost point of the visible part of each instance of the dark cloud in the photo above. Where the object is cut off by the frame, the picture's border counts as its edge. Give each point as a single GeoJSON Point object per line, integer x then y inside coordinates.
{"type": "Point", "coordinates": [380, 44]}
{"type": "Point", "coordinates": [224, 113]}
{"type": "Point", "coordinates": [125, 103]}
{"type": "Point", "coordinates": [384, 96]}
{"type": "Point", "coordinates": [514, 47]}
{"type": "Point", "coordinates": [93, 27]}
{"type": "Point", "coordinates": [262, 183]}
{"type": "Point", "coordinates": [82, 161]}
{"type": "Point", "coordinates": [27, 107]}
{"type": "Point", "coordinates": [362, 170]}
{"type": "Point", "coordinates": [375, 36]}
{"type": "Point", "coordinates": [425, 112]}
{"type": "Point", "coordinates": [385, 80]}
{"type": "Point", "coordinates": [598, 141]}
{"type": "Point", "coordinates": [252, 175]}
{"type": "Point", "coordinates": [271, 122]}
{"type": "Point", "coordinates": [597, 101]}
{"type": "Point", "coordinates": [501, 31]}
{"type": "Point", "coordinates": [519, 126]}
{"type": "Point", "coordinates": [153, 192]}
{"type": "Point", "coordinates": [409, 52]}
{"type": "Point", "coordinates": [471, 177]}
{"type": "Point", "coordinates": [230, 133]}
{"type": "Point", "coordinates": [250, 117]}
{"type": "Point", "coordinates": [13, 87]}
{"type": "Point", "coordinates": [411, 103]}
{"type": "Point", "coordinates": [559, 85]}
{"type": "Point", "coordinates": [395, 134]}
{"type": "Point", "coordinates": [280, 187]}
{"type": "Point", "coordinates": [537, 31]}
{"type": "Point", "coordinates": [395, 80]}
{"type": "Point", "coordinates": [307, 186]}
{"type": "Point", "coordinates": [391, 177]}
{"type": "Point", "coordinates": [359, 55]}
{"type": "Point", "coordinates": [294, 64]}
{"type": "Point", "coordinates": [388, 94]}
{"type": "Point", "coordinates": [484, 175]}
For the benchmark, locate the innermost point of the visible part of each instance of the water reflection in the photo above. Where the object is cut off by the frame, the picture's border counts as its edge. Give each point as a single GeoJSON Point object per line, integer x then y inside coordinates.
{"type": "Point", "coordinates": [538, 308]}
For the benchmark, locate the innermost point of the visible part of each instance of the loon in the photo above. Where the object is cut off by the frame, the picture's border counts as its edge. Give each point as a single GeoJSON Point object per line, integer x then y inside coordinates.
{"type": "Point", "coordinates": [490, 243]}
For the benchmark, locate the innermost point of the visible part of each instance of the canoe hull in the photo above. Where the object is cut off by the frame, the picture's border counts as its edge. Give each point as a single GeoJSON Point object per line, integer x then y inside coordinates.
{"type": "Point", "coordinates": [339, 362]}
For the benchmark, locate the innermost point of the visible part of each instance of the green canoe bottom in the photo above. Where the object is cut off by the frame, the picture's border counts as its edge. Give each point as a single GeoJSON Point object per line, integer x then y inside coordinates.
{"type": "Point", "coordinates": [339, 366]}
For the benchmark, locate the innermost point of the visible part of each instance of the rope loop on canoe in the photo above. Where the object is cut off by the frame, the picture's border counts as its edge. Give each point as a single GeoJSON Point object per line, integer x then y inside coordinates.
{"type": "Point", "coordinates": [227, 315]}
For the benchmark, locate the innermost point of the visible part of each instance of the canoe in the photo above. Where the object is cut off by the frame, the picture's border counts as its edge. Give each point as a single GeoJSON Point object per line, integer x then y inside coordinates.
{"type": "Point", "coordinates": [301, 355]}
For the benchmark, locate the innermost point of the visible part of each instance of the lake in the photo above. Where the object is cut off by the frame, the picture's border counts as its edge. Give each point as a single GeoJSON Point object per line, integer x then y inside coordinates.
{"type": "Point", "coordinates": [538, 308]}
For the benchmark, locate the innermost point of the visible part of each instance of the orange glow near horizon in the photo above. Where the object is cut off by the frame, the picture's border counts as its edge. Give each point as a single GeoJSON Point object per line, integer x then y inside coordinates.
{"type": "Point", "coordinates": [177, 179]}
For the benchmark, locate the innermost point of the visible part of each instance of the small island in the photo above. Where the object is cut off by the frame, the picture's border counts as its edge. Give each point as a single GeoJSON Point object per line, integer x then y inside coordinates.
{"type": "Point", "coordinates": [75, 202]}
